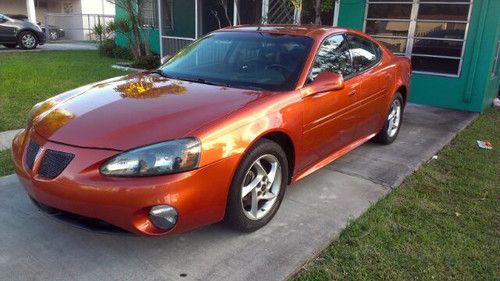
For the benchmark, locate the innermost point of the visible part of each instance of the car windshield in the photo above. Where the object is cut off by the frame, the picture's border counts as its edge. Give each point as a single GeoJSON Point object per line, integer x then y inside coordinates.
{"type": "Point", "coordinates": [249, 60]}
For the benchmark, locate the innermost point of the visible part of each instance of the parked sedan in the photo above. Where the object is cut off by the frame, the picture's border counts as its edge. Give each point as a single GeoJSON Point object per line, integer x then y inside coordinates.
{"type": "Point", "coordinates": [217, 132]}
{"type": "Point", "coordinates": [15, 32]}
{"type": "Point", "coordinates": [55, 32]}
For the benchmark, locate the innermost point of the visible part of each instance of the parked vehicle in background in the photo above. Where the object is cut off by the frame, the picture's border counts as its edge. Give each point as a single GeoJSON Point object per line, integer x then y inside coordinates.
{"type": "Point", "coordinates": [55, 32]}
{"type": "Point", "coordinates": [217, 132]}
{"type": "Point", "coordinates": [20, 33]}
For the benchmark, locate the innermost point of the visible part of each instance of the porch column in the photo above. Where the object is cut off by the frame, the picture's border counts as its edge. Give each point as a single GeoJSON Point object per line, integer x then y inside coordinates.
{"type": "Point", "coordinates": [265, 10]}
{"type": "Point", "coordinates": [30, 8]}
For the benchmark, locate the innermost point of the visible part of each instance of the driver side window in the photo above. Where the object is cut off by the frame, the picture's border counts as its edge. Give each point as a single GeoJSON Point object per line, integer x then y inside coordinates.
{"type": "Point", "coordinates": [333, 56]}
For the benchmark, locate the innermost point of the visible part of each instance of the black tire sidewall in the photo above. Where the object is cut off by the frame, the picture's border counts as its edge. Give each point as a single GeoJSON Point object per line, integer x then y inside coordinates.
{"type": "Point", "coordinates": [234, 211]}
{"type": "Point", "coordinates": [20, 40]}
{"type": "Point", "coordinates": [383, 136]}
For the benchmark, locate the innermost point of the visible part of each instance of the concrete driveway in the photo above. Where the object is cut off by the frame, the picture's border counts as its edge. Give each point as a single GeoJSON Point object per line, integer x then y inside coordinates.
{"type": "Point", "coordinates": [34, 246]}
{"type": "Point", "coordinates": [56, 46]}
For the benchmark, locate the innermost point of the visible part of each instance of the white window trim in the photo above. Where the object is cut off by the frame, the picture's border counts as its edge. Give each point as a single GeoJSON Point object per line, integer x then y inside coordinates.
{"type": "Point", "coordinates": [412, 28]}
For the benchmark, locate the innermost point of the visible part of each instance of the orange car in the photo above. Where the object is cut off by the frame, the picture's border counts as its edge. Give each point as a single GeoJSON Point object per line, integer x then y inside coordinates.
{"type": "Point", "coordinates": [217, 132]}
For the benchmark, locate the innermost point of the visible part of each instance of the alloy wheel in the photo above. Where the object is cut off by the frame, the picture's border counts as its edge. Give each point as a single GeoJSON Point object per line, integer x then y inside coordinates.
{"type": "Point", "coordinates": [28, 40]}
{"type": "Point", "coordinates": [394, 118]}
{"type": "Point", "coordinates": [261, 186]}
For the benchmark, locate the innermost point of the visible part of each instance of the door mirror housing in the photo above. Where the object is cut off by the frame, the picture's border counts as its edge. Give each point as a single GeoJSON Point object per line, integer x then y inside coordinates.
{"type": "Point", "coordinates": [165, 59]}
{"type": "Point", "coordinates": [324, 82]}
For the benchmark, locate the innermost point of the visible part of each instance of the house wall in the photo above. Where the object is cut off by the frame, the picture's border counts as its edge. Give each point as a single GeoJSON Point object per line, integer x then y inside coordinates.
{"type": "Point", "coordinates": [121, 40]}
{"type": "Point", "coordinates": [475, 88]}
{"type": "Point", "coordinates": [98, 7]}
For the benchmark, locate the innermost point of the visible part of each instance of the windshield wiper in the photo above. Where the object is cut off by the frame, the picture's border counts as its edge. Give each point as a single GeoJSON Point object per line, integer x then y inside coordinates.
{"type": "Point", "coordinates": [161, 73]}
{"type": "Point", "coordinates": [204, 81]}
{"type": "Point", "coordinates": [196, 80]}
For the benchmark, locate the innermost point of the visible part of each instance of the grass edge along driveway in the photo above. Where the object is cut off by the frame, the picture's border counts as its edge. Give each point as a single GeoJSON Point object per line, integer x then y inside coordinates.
{"type": "Point", "coordinates": [28, 78]}
{"type": "Point", "coordinates": [442, 223]}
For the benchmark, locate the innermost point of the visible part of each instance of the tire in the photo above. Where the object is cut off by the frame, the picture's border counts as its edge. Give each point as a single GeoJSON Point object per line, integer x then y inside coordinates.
{"type": "Point", "coordinates": [10, 46]}
{"type": "Point", "coordinates": [393, 121]}
{"type": "Point", "coordinates": [27, 40]}
{"type": "Point", "coordinates": [268, 190]}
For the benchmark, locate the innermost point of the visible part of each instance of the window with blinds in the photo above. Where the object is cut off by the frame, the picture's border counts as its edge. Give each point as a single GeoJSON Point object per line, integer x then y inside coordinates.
{"type": "Point", "coordinates": [148, 13]}
{"type": "Point", "coordinates": [432, 33]}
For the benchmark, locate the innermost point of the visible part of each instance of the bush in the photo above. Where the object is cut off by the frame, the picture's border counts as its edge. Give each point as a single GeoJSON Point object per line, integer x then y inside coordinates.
{"type": "Point", "coordinates": [147, 62]}
{"type": "Point", "coordinates": [109, 48]}
{"type": "Point", "coordinates": [123, 53]}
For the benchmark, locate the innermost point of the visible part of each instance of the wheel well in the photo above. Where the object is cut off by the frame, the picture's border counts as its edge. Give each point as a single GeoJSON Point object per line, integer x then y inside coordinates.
{"type": "Point", "coordinates": [403, 92]}
{"type": "Point", "coordinates": [286, 143]}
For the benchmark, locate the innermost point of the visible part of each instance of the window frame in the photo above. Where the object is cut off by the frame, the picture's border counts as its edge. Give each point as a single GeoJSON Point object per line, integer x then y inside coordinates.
{"type": "Point", "coordinates": [309, 72]}
{"type": "Point", "coordinates": [344, 34]}
{"type": "Point", "coordinates": [378, 52]}
{"type": "Point", "coordinates": [410, 38]}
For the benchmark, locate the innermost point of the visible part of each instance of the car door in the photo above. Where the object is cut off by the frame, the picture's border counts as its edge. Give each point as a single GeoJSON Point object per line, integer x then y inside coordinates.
{"type": "Point", "coordinates": [328, 122]}
{"type": "Point", "coordinates": [370, 99]}
{"type": "Point", "coordinates": [7, 31]}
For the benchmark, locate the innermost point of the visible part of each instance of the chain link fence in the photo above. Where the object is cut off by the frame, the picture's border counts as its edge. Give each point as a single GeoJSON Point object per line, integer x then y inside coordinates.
{"type": "Point", "coordinates": [73, 27]}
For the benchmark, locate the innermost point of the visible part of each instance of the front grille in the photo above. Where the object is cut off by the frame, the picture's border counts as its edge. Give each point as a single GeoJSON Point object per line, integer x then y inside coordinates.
{"type": "Point", "coordinates": [31, 153]}
{"type": "Point", "coordinates": [53, 163]}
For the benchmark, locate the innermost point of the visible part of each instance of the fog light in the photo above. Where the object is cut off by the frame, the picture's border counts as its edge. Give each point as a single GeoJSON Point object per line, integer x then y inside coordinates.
{"type": "Point", "coordinates": [163, 216]}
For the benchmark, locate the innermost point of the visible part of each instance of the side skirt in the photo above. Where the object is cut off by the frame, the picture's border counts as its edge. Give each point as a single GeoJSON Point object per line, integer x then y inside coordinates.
{"type": "Point", "coordinates": [327, 160]}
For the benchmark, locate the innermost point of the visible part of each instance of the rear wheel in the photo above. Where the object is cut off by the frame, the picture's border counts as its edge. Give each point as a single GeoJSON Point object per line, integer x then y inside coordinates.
{"type": "Point", "coordinates": [258, 187]}
{"type": "Point", "coordinates": [392, 125]}
{"type": "Point", "coordinates": [27, 40]}
{"type": "Point", "coordinates": [10, 46]}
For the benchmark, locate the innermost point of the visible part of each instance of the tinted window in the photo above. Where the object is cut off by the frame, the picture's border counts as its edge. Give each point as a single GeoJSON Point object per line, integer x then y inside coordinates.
{"type": "Point", "coordinates": [364, 53]}
{"type": "Point", "coordinates": [243, 60]}
{"type": "Point", "coordinates": [333, 56]}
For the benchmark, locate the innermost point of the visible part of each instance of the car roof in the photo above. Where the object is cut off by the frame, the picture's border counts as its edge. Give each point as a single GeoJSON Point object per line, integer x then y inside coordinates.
{"type": "Point", "coordinates": [313, 31]}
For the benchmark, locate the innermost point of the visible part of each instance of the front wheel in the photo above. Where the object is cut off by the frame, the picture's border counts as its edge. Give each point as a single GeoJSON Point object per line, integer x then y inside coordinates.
{"type": "Point", "coordinates": [392, 125]}
{"type": "Point", "coordinates": [27, 40]}
{"type": "Point", "coordinates": [258, 187]}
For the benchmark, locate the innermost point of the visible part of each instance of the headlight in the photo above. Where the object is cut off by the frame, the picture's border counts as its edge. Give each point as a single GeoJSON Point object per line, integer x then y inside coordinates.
{"type": "Point", "coordinates": [158, 159]}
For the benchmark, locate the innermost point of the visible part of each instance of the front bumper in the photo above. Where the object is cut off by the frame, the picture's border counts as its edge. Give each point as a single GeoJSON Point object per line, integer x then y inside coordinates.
{"type": "Point", "coordinates": [41, 38]}
{"type": "Point", "coordinates": [199, 196]}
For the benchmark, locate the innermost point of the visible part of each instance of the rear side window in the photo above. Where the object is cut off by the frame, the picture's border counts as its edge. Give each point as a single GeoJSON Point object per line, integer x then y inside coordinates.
{"type": "Point", "coordinates": [364, 53]}
{"type": "Point", "coordinates": [333, 56]}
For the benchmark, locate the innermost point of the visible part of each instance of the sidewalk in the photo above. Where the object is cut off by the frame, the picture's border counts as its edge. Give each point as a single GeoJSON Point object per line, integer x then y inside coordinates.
{"type": "Point", "coordinates": [314, 212]}
{"type": "Point", "coordinates": [6, 139]}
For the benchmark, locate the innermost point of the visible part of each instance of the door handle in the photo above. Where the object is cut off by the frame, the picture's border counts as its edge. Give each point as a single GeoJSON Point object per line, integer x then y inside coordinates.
{"type": "Point", "coordinates": [352, 93]}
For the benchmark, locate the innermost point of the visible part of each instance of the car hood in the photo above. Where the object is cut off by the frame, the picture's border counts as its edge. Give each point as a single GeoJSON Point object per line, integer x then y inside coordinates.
{"type": "Point", "coordinates": [135, 110]}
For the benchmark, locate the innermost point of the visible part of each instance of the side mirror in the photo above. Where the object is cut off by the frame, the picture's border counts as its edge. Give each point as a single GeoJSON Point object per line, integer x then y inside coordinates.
{"type": "Point", "coordinates": [165, 59]}
{"type": "Point", "coordinates": [324, 82]}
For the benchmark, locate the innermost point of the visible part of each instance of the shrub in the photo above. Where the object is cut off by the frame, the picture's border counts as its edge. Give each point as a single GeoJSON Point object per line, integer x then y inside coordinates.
{"type": "Point", "coordinates": [123, 53]}
{"type": "Point", "coordinates": [109, 48]}
{"type": "Point", "coordinates": [106, 48]}
{"type": "Point", "coordinates": [147, 62]}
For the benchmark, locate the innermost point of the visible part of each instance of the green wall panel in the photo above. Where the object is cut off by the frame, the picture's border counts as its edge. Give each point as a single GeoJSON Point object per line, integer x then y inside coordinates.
{"type": "Point", "coordinates": [352, 14]}
{"type": "Point", "coordinates": [121, 40]}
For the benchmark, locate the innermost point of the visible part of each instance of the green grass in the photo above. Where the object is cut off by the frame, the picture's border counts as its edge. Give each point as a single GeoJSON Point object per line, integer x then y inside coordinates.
{"type": "Point", "coordinates": [28, 78]}
{"type": "Point", "coordinates": [442, 223]}
{"type": "Point", "coordinates": [6, 167]}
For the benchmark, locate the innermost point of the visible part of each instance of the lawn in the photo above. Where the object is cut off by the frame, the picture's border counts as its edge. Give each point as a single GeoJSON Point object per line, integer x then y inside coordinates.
{"type": "Point", "coordinates": [27, 78]}
{"type": "Point", "coordinates": [6, 166]}
{"type": "Point", "coordinates": [442, 223]}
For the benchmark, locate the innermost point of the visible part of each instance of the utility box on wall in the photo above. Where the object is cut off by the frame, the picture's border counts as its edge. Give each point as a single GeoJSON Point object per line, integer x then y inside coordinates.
{"type": "Point", "coordinates": [453, 45]}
